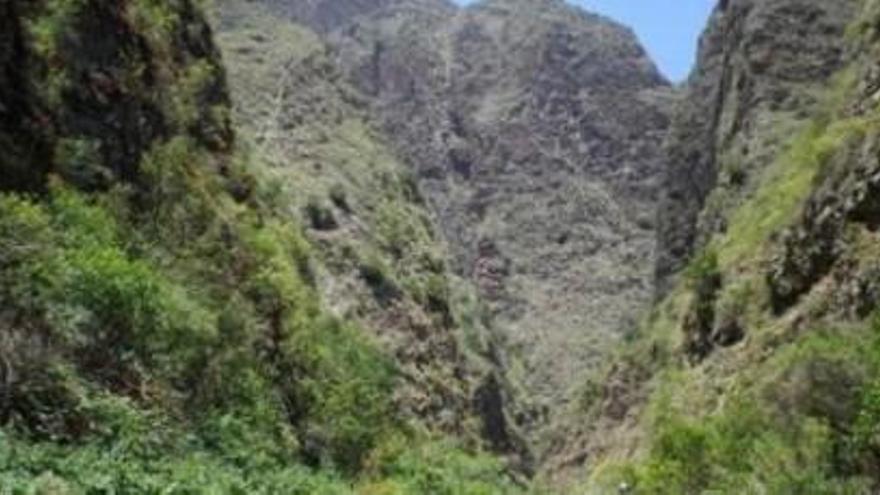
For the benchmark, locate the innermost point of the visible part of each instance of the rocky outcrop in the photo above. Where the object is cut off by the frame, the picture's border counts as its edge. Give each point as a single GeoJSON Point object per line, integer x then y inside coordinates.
{"type": "Point", "coordinates": [551, 155]}
{"type": "Point", "coordinates": [767, 72]}
{"type": "Point", "coordinates": [758, 68]}
{"type": "Point", "coordinates": [88, 88]}
{"type": "Point", "coordinates": [832, 231]}
{"type": "Point", "coordinates": [835, 229]}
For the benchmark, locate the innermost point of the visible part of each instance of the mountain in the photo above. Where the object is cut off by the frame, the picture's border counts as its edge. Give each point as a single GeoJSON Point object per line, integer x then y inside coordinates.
{"type": "Point", "coordinates": [383, 264]}
{"type": "Point", "coordinates": [187, 306]}
{"type": "Point", "coordinates": [534, 130]}
{"type": "Point", "coordinates": [406, 247]}
{"type": "Point", "coordinates": [756, 370]}
{"type": "Point", "coordinates": [760, 73]}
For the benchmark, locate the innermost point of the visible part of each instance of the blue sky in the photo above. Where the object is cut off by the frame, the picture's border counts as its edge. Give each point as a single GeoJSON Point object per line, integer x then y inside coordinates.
{"type": "Point", "coordinates": [668, 29]}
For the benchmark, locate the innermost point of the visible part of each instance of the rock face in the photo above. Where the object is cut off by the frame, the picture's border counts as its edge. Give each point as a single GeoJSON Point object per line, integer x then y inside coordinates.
{"type": "Point", "coordinates": [308, 124]}
{"type": "Point", "coordinates": [546, 183]}
{"type": "Point", "coordinates": [88, 106]}
{"type": "Point", "coordinates": [316, 291]}
{"type": "Point", "coordinates": [384, 264]}
{"type": "Point", "coordinates": [327, 15]}
{"type": "Point", "coordinates": [534, 130]}
{"type": "Point", "coordinates": [535, 133]}
{"type": "Point", "coordinates": [767, 72]}
{"type": "Point", "coordinates": [835, 231]}
{"type": "Point", "coordinates": [759, 66]}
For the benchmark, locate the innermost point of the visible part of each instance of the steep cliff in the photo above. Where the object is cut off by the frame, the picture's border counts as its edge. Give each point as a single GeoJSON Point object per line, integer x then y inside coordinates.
{"type": "Point", "coordinates": [534, 131]}
{"type": "Point", "coordinates": [384, 265]}
{"type": "Point", "coordinates": [107, 85]}
{"type": "Point", "coordinates": [757, 370]}
{"type": "Point", "coordinates": [760, 74]}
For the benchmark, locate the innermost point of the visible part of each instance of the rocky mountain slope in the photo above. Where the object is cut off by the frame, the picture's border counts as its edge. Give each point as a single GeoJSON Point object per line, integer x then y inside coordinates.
{"type": "Point", "coordinates": [346, 246]}
{"type": "Point", "coordinates": [534, 131]}
{"type": "Point", "coordinates": [761, 71]}
{"type": "Point", "coordinates": [757, 371]}
{"type": "Point", "coordinates": [183, 311]}
{"type": "Point", "coordinates": [384, 264]}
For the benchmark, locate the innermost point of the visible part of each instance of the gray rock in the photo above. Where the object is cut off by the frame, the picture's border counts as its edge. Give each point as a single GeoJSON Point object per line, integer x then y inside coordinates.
{"type": "Point", "coordinates": [535, 132]}
{"type": "Point", "coordinates": [758, 64]}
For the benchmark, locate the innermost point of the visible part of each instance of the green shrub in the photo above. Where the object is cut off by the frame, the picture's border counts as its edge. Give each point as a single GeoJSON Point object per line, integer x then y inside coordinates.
{"type": "Point", "coordinates": [78, 161]}
{"type": "Point", "coordinates": [785, 185]}
{"type": "Point", "coordinates": [319, 216]}
{"type": "Point", "coordinates": [135, 467]}
{"type": "Point", "coordinates": [156, 21]}
{"type": "Point", "coordinates": [865, 444]}
{"type": "Point", "coordinates": [182, 199]}
{"type": "Point", "coordinates": [436, 296]}
{"type": "Point", "coordinates": [377, 275]}
{"type": "Point", "coordinates": [802, 422]}
{"type": "Point", "coordinates": [741, 451]}
{"type": "Point", "coordinates": [347, 387]}
{"type": "Point", "coordinates": [402, 231]}
{"type": "Point", "coordinates": [25, 233]}
{"type": "Point", "coordinates": [703, 267]}
{"type": "Point", "coordinates": [435, 467]}
{"type": "Point", "coordinates": [47, 29]}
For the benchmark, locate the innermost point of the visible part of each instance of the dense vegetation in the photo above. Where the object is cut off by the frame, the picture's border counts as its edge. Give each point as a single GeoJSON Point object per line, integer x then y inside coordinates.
{"type": "Point", "coordinates": [170, 298]}
{"type": "Point", "coordinates": [161, 330]}
{"type": "Point", "coordinates": [134, 361]}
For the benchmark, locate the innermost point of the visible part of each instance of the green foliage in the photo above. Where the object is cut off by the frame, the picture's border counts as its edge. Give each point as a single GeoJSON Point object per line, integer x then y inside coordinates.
{"type": "Point", "coordinates": [157, 461]}
{"type": "Point", "coordinates": [866, 432]}
{"type": "Point", "coordinates": [339, 197]}
{"type": "Point", "coordinates": [740, 451]}
{"type": "Point", "coordinates": [157, 21]}
{"type": "Point", "coordinates": [347, 388]}
{"type": "Point", "coordinates": [47, 31]}
{"type": "Point", "coordinates": [115, 315]}
{"type": "Point", "coordinates": [785, 186]}
{"type": "Point", "coordinates": [803, 422]}
{"type": "Point", "coordinates": [185, 104]}
{"type": "Point", "coordinates": [124, 308]}
{"type": "Point", "coordinates": [78, 161]}
{"type": "Point", "coordinates": [864, 29]}
{"type": "Point", "coordinates": [864, 453]}
{"type": "Point", "coordinates": [182, 198]}
{"type": "Point", "coordinates": [165, 335]}
{"type": "Point", "coordinates": [400, 230]}
{"type": "Point", "coordinates": [147, 466]}
{"type": "Point", "coordinates": [435, 467]}
{"type": "Point", "coordinates": [436, 294]}
{"type": "Point", "coordinates": [703, 267]}
{"type": "Point", "coordinates": [204, 366]}
{"type": "Point", "coordinates": [25, 231]}
{"type": "Point", "coordinates": [376, 273]}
